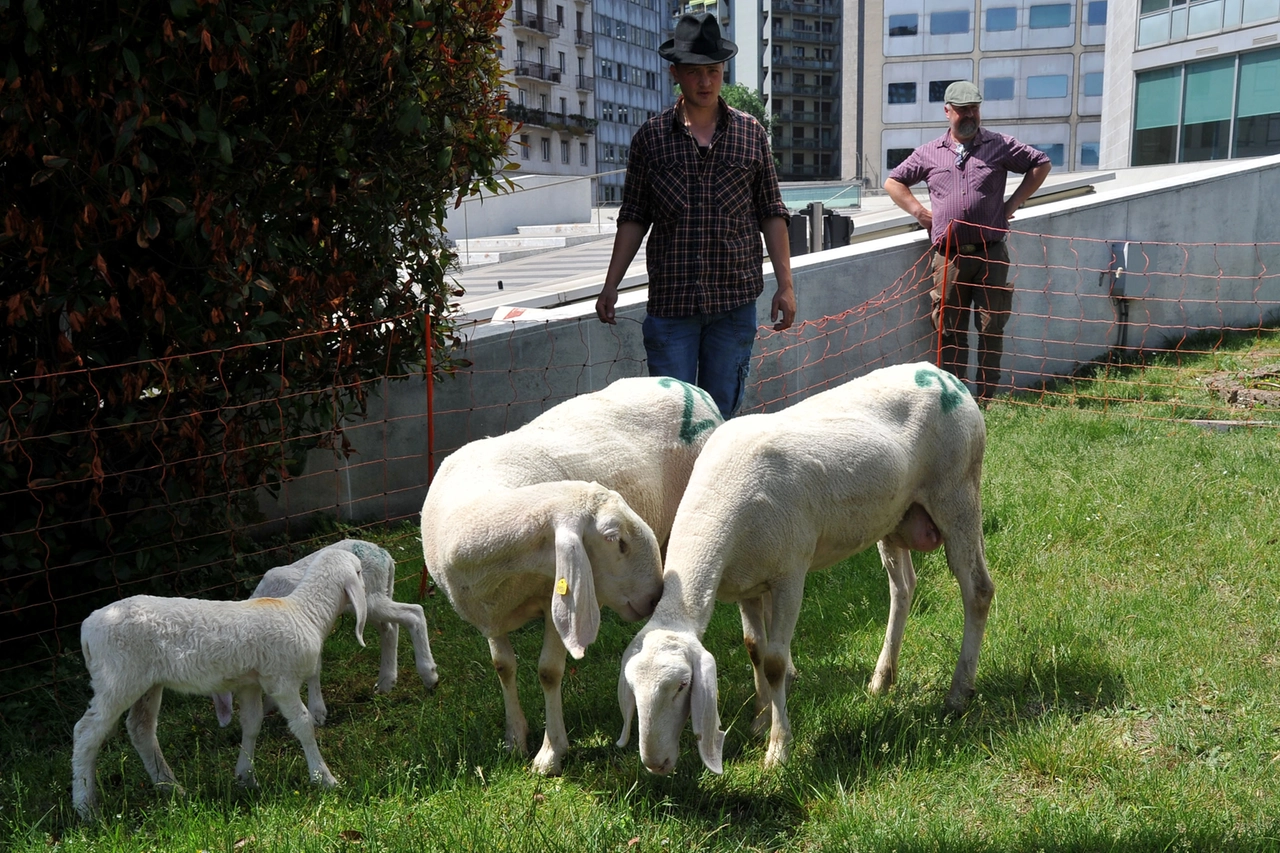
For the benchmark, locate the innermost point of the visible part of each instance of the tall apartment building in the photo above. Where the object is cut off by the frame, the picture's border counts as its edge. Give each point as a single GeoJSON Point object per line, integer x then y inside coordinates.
{"type": "Point", "coordinates": [801, 83]}
{"type": "Point", "coordinates": [546, 45]}
{"type": "Point", "coordinates": [1191, 81]}
{"type": "Point", "coordinates": [632, 83]}
{"type": "Point", "coordinates": [1039, 64]}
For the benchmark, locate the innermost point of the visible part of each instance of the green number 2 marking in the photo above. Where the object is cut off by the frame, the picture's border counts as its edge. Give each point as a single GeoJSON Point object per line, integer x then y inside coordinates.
{"type": "Point", "coordinates": [951, 396]}
{"type": "Point", "coordinates": [689, 430]}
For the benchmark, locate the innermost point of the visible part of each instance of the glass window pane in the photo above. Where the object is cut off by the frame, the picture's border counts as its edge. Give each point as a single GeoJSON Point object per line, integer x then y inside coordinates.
{"type": "Point", "coordinates": [949, 23]}
{"type": "Point", "coordinates": [902, 93]}
{"type": "Point", "coordinates": [895, 156]}
{"type": "Point", "coordinates": [1050, 17]}
{"type": "Point", "coordinates": [997, 89]}
{"type": "Point", "coordinates": [1056, 152]}
{"type": "Point", "coordinates": [1092, 84]}
{"type": "Point", "coordinates": [1209, 89]}
{"type": "Point", "coordinates": [903, 25]}
{"type": "Point", "coordinates": [1152, 6]}
{"type": "Point", "coordinates": [1097, 13]}
{"type": "Point", "coordinates": [1158, 98]}
{"type": "Point", "coordinates": [1259, 83]}
{"type": "Point", "coordinates": [1047, 86]}
{"type": "Point", "coordinates": [1205, 17]}
{"type": "Point", "coordinates": [1089, 154]}
{"type": "Point", "coordinates": [1260, 10]}
{"type": "Point", "coordinates": [938, 90]}
{"type": "Point", "coordinates": [1002, 19]}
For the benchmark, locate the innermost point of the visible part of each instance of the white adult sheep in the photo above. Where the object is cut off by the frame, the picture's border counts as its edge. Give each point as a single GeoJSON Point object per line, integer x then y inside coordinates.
{"type": "Point", "coordinates": [138, 646]}
{"type": "Point", "coordinates": [894, 456]}
{"type": "Point", "coordinates": [378, 571]}
{"type": "Point", "coordinates": [559, 517]}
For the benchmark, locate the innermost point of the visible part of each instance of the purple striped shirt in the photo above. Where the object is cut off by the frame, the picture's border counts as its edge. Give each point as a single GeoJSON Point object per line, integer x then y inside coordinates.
{"type": "Point", "coordinates": [972, 192]}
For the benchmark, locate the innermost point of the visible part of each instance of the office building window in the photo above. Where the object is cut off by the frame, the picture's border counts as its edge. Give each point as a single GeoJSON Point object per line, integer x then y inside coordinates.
{"type": "Point", "coordinates": [546, 150]}
{"type": "Point", "coordinates": [997, 89]}
{"type": "Point", "coordinates": [902, 93]}
{"type": "Point", "coordinates": [1056, 151]}
{"type": "Point", "coordinates": [1091, 84]}
{"type": "Point", "coordinates": [938, 90]}
{"type": "Point", "coordinates": [1050, 17]}
{"type": "Point", "coordinates": [1206, 110]}
{"type": "Point", "coordinates": [606, 69]}
{"type": "Point", "coordinates": [895, 156]}
{"type": "Point", "coordinates": [1089, 154]}
{"type": "Point", "coordinates": [1002, 19]}
{"type": "Point", "coordinates": [904, 25]}
{"type": "Point", "coordinates": [1258, 105]}
{"type": "Point", "coordinates": [564, 152]}
{"type": "Point", "coordinates": [1047, 86]}
{"type": "Point", "coordinates": [1096, 13]}
{"type": "Point", "coordinates": [949, 23]}
{"type": "Point", "coordinates": [1156, 116]}
{"type": "Point", "coordinates": [582, 153]}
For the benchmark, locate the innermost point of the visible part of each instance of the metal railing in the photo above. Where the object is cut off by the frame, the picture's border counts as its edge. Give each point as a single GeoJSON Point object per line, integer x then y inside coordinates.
{"type": "Point", "coordinates": [538, 23]}
{"type": "Point", "coordinates": [537, 70]}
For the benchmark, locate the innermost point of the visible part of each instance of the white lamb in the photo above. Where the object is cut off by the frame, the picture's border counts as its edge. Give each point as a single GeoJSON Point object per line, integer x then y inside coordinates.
{"type": "Point", "coordinates": [378, 570]}
{"type": "Point", "coordinates": [895, 456]}
{"type": "Point", "coordinates": [138, 646]}
{"type": "Point", "coordinates": [559, 517]}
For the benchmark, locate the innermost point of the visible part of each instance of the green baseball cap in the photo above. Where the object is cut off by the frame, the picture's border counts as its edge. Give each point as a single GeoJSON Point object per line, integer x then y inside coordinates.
{"type": "Point", "coordinates": [962, 93]}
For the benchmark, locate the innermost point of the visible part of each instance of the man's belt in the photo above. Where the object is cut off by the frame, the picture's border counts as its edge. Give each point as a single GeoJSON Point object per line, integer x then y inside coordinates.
{"type": "Point", "coordinates": [967, 248]}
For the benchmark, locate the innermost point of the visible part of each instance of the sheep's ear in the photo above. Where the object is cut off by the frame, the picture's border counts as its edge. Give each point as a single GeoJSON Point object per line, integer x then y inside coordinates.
{"type": "Point", "coordinates": [574, 608]}
{"type": "Point", "coordinates": [626, 701]}
{"type": "Point", "coordinates": [702, 710]}
{"type": "Point", "coordinates": [354, 587]}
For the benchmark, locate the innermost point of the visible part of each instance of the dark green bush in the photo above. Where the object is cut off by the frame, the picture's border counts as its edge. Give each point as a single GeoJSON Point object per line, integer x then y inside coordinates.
{"type": "Point", "coordinates": [219, 221]}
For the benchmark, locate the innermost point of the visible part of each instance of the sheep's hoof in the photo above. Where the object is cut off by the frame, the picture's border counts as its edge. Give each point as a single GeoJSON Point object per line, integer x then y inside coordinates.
{"type": "Point", "coordinates": [319, 716]}
{"type": "Point", "coordinates": [547, 763]}
{"type": "Point", "coordinates": [384, 685]}
{"type": "Point", "coordinates": [517, 741]}
{"type": "Point", "coordinates": [763, 721]}
{"type": "Point", "coordinates": [247, 781]}
{"type": "Point", "coordinates": [958, 701]}
{"type": "Point", "coordinates": [171, 789]}
{"type": "Point", "coordinates": [880, 683]}
{"type": "Point", "coordinates": [430, 679]}
{"type": "Point", "coordinates": [326, 779]}
{"type": "Point", "coordinates": [776, 757]}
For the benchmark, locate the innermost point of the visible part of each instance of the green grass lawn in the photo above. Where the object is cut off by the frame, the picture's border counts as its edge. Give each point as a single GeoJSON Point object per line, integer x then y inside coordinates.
{"type": "Point", "coordinates": [1128, 697]}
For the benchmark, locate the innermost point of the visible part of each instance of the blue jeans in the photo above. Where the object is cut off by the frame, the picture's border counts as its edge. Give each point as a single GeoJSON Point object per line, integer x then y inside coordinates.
{"type": "Point", "coordinates": [712, 351]}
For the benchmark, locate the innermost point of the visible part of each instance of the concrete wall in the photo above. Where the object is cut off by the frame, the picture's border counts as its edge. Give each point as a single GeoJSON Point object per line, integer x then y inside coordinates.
{"type": "Point", "coordinates": [537, 200]}
{"type": "Point", "coordinates": [859, 307]}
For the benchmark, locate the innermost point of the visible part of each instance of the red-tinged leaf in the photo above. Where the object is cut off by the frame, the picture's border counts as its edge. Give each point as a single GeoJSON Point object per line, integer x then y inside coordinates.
{"type": "Point", "coordinates": [41, 176]}
{"type": "Point", "coordinates": [53, 161]}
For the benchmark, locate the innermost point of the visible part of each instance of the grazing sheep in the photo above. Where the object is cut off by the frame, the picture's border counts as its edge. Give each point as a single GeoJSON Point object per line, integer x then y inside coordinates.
{"type": "Point", "coordinates": [138, 646]}
{"type": "Point", "coordinates": [559, 517]}
{"type": "Point", "coordinates": [895, 456]}
{"type": "Point", "coordinates": [378, 570]}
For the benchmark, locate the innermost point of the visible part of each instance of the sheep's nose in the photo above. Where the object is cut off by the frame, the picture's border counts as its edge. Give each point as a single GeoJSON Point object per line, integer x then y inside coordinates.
{"type": "Point", "coordinates": [660, 768]}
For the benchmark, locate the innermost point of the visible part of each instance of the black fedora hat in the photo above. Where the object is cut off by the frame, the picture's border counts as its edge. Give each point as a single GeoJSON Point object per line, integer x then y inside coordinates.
{"type": "Point", "coordinates": [697, 42]}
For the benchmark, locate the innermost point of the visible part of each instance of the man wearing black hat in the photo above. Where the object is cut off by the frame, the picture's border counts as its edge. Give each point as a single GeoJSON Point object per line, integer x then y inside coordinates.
{"type": "Point", "coordinates": [967, 220]}
{"type": "Point", "coordinates": [702, 175]}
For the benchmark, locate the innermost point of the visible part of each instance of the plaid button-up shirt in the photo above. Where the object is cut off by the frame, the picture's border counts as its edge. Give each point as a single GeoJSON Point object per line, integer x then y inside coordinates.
{"type": "Point", "coordinates": [704, 253]}
{"type": "Point", "coordinates": [971, 191]}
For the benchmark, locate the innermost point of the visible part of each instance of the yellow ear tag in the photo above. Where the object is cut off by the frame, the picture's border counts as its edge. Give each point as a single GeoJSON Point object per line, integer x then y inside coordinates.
{"type": "Point", "coordinates": [562, 586]}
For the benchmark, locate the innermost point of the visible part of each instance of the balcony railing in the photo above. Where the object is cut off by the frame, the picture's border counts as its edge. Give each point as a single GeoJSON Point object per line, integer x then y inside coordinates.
{"type": "Point", "coordinates": [537, 70]}
{"type": "Point", "coordinates": [830, 9]}
{"type": "Point", "coordinates": [586, 83]}
{"type": "Point", "coordinates": [578, 125]}
{"type": "Point", "coordinates": [538, 23]}
{"type": "Point", "coordinates": [582, 38]}
{"type": "Point", "coordinates": [806, 35]}
{"type": "Point", "coordinates": [797, 62]}
{"type": "Point", "coordinates": [791, 89]}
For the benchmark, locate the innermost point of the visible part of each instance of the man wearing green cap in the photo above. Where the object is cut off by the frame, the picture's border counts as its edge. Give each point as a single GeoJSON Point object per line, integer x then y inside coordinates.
{"type": "Point", "coordinates": [967, 220]}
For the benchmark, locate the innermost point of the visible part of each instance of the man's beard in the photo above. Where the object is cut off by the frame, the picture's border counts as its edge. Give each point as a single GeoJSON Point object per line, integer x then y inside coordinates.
{"type": "Point", "coordinates": [967, 127]}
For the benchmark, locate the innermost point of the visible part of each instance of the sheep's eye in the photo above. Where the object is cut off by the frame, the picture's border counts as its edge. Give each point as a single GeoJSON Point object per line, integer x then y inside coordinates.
{"type": "Point", "coordinates": [623, 546]}
{"type": "Point", "coordinates": [682, 687]}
